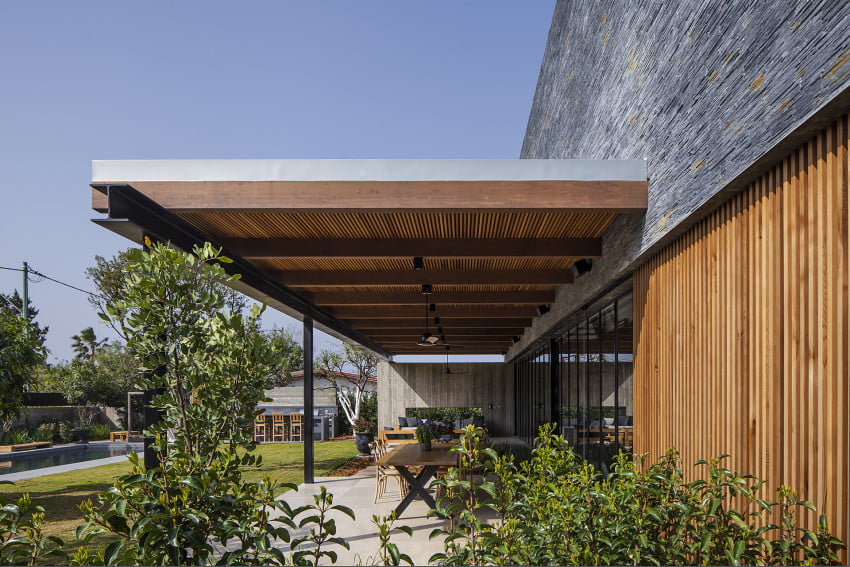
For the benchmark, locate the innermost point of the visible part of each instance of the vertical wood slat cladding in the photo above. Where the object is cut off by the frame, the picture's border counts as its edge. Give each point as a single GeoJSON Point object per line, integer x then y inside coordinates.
{"type": "Point", "coordinates": [741, 333]}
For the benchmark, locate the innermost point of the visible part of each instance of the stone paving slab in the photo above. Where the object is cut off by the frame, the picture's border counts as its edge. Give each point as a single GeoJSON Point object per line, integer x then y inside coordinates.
{"type": "Point", "coordinates": [358, 493]}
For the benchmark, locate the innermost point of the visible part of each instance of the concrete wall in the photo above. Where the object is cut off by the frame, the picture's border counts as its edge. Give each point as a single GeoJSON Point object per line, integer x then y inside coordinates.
{"type": "Point", "coordinates": [38, 414]}
{"type": "Point", "coordinates": [711, 94]}
{"type": "Point", "coordinates": [402, 386]}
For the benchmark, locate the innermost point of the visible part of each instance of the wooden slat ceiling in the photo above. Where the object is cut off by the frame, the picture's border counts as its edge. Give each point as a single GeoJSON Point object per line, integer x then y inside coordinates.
{"type": "Point", "coordinates": [490, 269]}
{"type": "Point", "coordinates": [372, 302]}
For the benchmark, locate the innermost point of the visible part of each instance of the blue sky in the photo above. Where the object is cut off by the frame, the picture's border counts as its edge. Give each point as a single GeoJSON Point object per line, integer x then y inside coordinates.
{"type": "Point", "coordinates": [308, 79]}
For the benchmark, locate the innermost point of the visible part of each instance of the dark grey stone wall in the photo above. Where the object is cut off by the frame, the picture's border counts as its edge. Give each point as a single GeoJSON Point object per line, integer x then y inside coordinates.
{"type": "Point", "coordinates": [710, 93]}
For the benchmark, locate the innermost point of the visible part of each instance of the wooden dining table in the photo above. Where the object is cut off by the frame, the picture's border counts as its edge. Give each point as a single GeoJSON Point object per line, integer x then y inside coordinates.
{"type": "Point", "coordinates": [403, 457]}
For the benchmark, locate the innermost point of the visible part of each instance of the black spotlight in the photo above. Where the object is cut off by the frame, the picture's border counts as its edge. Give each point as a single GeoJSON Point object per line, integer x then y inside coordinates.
{"type": "Point", "coordinates": [418, 264]}
{"type": "Point", "coordinates": [426, 288]}
{"type": "Point", "coordinates": [436, 320]}
{"type": "Point", "coordinates": [543, 309]}
{"type": "Point", "coordinates": [515, 339]}
{"type": "Point", "coordinates": [432, 308]}
{"type": "Point", "coordinates": [580, 267]}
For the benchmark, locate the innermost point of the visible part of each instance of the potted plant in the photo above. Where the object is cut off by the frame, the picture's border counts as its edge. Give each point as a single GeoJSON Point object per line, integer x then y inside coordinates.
{"type": "Point", "coordinates": [364, 433]}
{"type": "Point", "coordinates": [427, 431]}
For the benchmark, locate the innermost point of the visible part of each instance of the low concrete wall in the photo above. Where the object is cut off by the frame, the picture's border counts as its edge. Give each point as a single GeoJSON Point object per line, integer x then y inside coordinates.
{"type": "Point", "coordinates": [38, 414]}
{"type": "Point", "coordinates": [402, 386]}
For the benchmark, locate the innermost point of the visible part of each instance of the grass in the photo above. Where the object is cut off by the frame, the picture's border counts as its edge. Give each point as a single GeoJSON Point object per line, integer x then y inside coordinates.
{"type": "Point", "coordinates": [61, 494]}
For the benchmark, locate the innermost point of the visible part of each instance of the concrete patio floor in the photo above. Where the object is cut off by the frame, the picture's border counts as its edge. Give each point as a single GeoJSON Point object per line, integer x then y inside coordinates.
{"type": "Point", "coordinates": [358, 493]}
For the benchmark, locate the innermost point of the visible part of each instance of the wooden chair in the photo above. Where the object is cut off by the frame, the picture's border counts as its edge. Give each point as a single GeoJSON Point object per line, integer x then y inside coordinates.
{"type": "Point", "coordinates": [278, 427]}
{"type": "Point", "coordinates": [382, 473]}
{"type": "Point", "coordinates": [260, 428]}
{"type": "Point", "coordinates": [295, 427]}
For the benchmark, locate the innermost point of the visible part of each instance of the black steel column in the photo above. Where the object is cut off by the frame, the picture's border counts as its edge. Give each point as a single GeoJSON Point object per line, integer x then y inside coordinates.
{"type": "Point", "coordinates": [307, 433]}
{"type": "Point", "coordinates": [151, 414]}
{"type": "Point", "coordinates": [555, 382]}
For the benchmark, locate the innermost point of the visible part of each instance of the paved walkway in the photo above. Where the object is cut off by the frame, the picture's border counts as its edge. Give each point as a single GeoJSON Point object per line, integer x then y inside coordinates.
{"type": "Point", "coordinates": [358, 493]}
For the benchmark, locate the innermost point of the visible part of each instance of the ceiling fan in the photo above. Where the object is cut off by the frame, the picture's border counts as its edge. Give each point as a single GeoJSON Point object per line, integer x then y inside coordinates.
{"type": "Point", "coordinates": [448, 370]}
{"type": "Point", "coordinates": [428, 339]}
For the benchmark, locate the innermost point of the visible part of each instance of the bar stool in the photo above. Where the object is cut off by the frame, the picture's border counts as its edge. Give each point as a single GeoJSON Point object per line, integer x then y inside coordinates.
{"type": "Point", "coordinates": [260, 428]}
{"type": "Point", "coordinates": [278, 427]}
{"type": "Point", "coordinates": [295, 427]}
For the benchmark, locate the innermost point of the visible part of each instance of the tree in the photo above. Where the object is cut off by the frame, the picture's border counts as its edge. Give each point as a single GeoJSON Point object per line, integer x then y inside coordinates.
{"type": "Point", "coordinates": [21, 352]}
{"type": "Point", "coordinates": [211, 366]}
{"type": "Point", "coordinates": [103, 380]}
{"type": "Point", "coordinates": [287, 353]}
{"type": "Point", "coordinates": [15, 304]}
{"type": "Point", "coordinates": [109, 276]}
{"type": "Point", "coordinates": [349, 391]}
{"type": "Point", "coordinates": [86, 344]}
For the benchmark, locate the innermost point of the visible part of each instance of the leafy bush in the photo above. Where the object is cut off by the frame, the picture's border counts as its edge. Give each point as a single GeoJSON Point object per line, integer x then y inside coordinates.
{"type": "Point", "coordinates": [98, 431]}
{"type": "Point", "coordinates": [447, 415]}
{"type": "Point", "coordinates": [21, 539]}
{"type": "Point", "coordinates": [44, 432]}
{"type": "Point", "coordinates": [557, 509]}
{"type": "Point", "coordinates": [210, 367]}
{"type": "Point", "coordinates": [18, 436]}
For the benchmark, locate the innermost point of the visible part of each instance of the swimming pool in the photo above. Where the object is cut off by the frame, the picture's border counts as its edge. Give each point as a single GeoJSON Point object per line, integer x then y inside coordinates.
{"type": "Point", "coordinates": [62, 455]}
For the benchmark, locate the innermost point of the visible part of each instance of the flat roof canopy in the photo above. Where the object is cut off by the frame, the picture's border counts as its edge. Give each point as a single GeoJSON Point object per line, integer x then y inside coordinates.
{"type": "Point", "coordinates": [335, 239]}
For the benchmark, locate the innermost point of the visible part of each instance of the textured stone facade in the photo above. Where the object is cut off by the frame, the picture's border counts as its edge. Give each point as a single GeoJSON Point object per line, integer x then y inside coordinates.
{"type": "Point", "coordinates": [709, 93]}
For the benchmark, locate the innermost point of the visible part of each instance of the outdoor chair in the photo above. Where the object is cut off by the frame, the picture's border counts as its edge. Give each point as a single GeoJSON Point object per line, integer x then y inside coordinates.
{"type": "Point", "coordinates": [295, 427]}
{"type": "Point", "coordinates": [278, 427]}
{"type": "Point", "coordinates": [382, 473]}
{"type": "Point", "coordinates": [260, 428]}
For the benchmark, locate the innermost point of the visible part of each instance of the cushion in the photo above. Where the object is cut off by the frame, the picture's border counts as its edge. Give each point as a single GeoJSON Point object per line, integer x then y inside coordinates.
{"type": "Point", "coordinates": [412, 422]}
{"type": "Point", "coordinates": [625, 420]}
{"type": "Point", "coordinates": [402, 421]}
{"type": "Point", "coordinates": [465, 422]}
{"type": "Point", "coordinates": [609, 422]}
{"type": "Point", "coordinates": [408, 429]}
{"type": "Point", "coordinates": [388, 428]}
{"type": "Point", "coordinates": [478, 421]}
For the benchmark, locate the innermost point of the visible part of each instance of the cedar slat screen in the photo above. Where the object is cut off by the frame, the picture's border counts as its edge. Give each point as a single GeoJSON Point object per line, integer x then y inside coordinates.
{"type": "Point", "coordinates": [741, 332]}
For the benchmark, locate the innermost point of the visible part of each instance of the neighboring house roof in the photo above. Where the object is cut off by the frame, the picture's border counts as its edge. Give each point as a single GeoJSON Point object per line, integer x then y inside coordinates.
{"type": "Point", "coordinates": [348, 375]}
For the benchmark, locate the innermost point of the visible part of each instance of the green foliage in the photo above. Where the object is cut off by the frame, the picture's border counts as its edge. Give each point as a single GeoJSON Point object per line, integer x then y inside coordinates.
{"type": "Point", "coordinates": [557, 509]}
{"type": "Point", "coordinates": [388, 552]}
{"type": "Point", "coordinates": [86, 344]}
{"type": "Point", "coordinates": [288, 356]}
{"type": "Point", "coordinates": [14, 305]}
{"type": "Point", "coordinates": [22, 541]}
{"type": "Point", "coordinates": [102, 380]}
{"type": "Point", "coordinates": [210, 366]}
{"type": "Point", "coordinates": [98, 431]}
{"type": "Point", "coordinates": [447, 415]}
{"type": "Point", "coordinates": [591, 412]}
{"type": "Point", "coordinates": [21, 352]}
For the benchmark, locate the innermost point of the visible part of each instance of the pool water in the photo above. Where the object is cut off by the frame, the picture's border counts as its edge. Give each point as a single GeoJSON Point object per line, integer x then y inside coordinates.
{"type": "Point", "coordinates": [42, 458]}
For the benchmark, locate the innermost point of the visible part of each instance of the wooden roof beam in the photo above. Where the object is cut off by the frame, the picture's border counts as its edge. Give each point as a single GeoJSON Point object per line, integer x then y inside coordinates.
{"type": "Point", "coordinates": [382, 322]}
{"type": "Point", "coordinates": [410, 247]}
{"type": "Point", "coordinates": [364, 278]}
{"type": "Point", "coordinates": [532, 297]}
{"type": "Point", "coordinates": [410, 312]}
{"type": "Point", "coordinates": [388, 185]}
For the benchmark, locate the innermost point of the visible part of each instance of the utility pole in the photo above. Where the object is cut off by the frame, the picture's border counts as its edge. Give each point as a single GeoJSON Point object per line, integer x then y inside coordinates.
{"type": "Point", "coordinates": [26, 299]}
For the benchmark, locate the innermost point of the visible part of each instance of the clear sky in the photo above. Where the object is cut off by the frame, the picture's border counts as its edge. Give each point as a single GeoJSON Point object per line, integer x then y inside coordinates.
{"type": "Point", "coordinates": [262, 79]}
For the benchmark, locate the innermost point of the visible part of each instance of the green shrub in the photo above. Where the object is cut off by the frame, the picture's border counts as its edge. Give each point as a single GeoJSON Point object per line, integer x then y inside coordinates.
{"type": "Point", "coordinates": [18, 436]}
{"type": "Point", "coordinates": [44, 432]}
{"type": "Point", "coordinates": [448, 415]}
{"type": "Point", "coordinates": [98, 431]}
{"type": "Point", "coordinates": [557, 509]}
{"type": "Point", "coordinates": [63, 433]}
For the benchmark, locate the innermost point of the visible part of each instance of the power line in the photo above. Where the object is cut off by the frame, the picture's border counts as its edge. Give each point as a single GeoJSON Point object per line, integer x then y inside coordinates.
{"type": "Point", "coordinates": [39, 274]}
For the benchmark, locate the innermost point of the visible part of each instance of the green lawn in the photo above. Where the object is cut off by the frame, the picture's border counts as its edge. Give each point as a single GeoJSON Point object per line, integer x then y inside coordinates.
{"type": "Point", "coordinates": [60, 494]}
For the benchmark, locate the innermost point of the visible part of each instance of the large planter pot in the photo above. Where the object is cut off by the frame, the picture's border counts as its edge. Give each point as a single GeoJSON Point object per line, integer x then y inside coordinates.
{"type": "Point", "coordinates": [362, 440]}
{"type": "Point", "coordinates": [425, 446]}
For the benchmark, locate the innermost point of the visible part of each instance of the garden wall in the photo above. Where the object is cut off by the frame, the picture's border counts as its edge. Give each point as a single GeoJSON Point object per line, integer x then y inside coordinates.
{"type": "Point", "coordinates": [479, 385]}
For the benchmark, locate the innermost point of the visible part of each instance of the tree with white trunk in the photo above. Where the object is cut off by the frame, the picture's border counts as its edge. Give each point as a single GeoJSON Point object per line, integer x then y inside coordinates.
{"type": "Point", "coordinates": [349, 386]}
